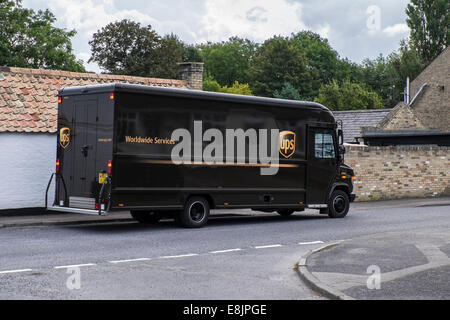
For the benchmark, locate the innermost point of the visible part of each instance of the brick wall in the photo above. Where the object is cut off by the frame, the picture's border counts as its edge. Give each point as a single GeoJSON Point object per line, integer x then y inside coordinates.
{"type": "Point", "coordinates": [397, 172]}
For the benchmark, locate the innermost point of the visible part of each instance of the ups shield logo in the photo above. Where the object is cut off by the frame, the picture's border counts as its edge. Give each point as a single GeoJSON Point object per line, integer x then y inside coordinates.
{"type": "Point", "coordinates": [287, 143]}
{"type": "Point", "coordinates": [64, 137]}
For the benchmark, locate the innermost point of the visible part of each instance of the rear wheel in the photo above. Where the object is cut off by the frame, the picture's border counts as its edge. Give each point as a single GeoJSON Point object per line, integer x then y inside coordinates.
{"type": "Point", "coordinates": [195, 213]}
{"type": "Point", "coordinates": [338, 205]}
{"type": "Point", "coordinates": [148, 217]}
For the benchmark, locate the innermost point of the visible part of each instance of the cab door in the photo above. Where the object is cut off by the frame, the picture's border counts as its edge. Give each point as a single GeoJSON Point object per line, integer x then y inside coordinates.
{"type": "Point", "coordinates": [322, 164]}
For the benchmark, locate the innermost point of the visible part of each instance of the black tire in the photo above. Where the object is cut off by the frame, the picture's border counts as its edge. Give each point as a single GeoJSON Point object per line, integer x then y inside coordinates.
{"type": "Point", "coordinates": [147, 217]}
{"type": "Point", "coordinates": [285, 212]}
{"type": "Point", "coordinates": [338, 205]}
{"type": "Point", "coordinates": [195, 213]}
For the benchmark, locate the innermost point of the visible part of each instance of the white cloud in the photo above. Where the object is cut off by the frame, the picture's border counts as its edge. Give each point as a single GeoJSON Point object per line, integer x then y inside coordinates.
{"type": "Point", "coordinates": [396, 30]}
{"type": "Point", "coordinates": [323, 30]}
{"type": "Point", "coordinates": [343, 22]}
{"type": "Point", "coordinates": [254, 19]}
{"type": "Point", "coordinates": [88, 17]}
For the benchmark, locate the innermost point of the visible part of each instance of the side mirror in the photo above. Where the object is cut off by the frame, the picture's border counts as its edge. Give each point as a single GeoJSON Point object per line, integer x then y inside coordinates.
{"type": "Point", "coordinates": [341, 149]}
{"type": "Point", "coordinates": [340, 137]}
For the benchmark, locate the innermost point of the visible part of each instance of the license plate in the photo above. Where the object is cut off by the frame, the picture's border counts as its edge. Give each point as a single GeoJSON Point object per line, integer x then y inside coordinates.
{"type": "Point", "coordinates": [101, 177]}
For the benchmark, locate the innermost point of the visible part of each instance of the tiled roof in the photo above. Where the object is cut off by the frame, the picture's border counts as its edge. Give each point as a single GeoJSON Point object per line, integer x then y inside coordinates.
{"type": "Point", "coordinates": [28, 101]}
{"type": "Point", "coordinates": [352, 121]}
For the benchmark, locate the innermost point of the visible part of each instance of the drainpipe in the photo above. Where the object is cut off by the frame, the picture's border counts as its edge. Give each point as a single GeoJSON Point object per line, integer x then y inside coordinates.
{"type": "Point", "coordinates": [407, 91]}
{"type": "Point", "coordinates": [417, 94]}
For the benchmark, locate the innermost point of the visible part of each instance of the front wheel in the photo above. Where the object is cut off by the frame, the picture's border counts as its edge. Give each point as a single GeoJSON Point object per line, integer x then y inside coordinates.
{"type": "Point", "coordinates": [338, 205]}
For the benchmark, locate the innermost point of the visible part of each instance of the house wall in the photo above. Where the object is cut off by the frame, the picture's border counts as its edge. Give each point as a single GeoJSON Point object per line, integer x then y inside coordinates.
{"type": "Point", "coordinates": [27, 161]}
{"type": "Point", "coordinates": [432, 106]}
{"type": "Point", "coordinates": [401, 118]}
{"type": "Point", "coordinates": [396, 172]}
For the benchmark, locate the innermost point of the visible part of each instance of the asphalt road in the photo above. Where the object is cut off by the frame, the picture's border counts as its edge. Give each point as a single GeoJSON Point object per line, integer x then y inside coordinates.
{"type": "Point", "coordinates": [243, 256]}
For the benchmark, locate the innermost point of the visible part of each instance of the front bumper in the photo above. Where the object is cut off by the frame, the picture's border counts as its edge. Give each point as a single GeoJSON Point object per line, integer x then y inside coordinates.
{"type": "Point", "coordinates": [352, 197]}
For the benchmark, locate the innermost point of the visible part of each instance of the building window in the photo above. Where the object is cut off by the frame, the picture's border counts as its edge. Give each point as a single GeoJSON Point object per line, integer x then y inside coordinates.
{"type": "Point", "coordinates": [324, 146]}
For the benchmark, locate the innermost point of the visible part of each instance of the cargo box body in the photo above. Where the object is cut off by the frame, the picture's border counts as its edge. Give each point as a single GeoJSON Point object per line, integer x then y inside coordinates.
{"type": "Point", "coordinates": [115, 150]}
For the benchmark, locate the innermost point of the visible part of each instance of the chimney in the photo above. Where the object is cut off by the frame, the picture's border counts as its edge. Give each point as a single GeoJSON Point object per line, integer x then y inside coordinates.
{"type": "Point", "coordinates": [192, 72]}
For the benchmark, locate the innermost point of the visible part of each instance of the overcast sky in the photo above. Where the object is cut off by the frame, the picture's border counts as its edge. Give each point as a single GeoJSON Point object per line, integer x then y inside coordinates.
{"type": "Point", "coordinates": [356, 29]}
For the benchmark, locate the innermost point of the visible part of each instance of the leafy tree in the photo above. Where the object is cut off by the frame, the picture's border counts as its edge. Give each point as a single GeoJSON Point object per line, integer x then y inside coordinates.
{"type": "Point", "coordinates": [28, 39]}
{"type": "Point", "coordinates": [405, 63]}
{"type": "Point", "coordinates": [276, 62]}
{"type": "Point", "coordinates": [191, 53]}
{"type": "Point", "coordinates": [387, 75]}
{"type": "Point", "coordinates": [429, 21]}
{"type": "Point", "coordinates": [125, 47]}
{"type": "Point", "coordinates": [379, 74]}
{"type": "Point", "coordinates": [330, 95]}
{"type": "Point", "coordinates": [322, 60]}
{"type": "Point", "coordinates": [348, 96]}
{"type": "Point", "coordinates": [287, 92]}
{"type": "Point", "coordinates": [228, 61]}
{"type": "Point", "coordinates": [348, 70]}
{"type": "Point", "coordinates": [169, 52]}
{"type": "Point", "coordinates": [209, 84]}
{"type": "Point", "coordinates": [172, 50]}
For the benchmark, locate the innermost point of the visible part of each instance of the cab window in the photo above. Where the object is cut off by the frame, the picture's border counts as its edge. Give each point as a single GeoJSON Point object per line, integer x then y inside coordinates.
{"type": "Point", "coordinates": [324, 145]}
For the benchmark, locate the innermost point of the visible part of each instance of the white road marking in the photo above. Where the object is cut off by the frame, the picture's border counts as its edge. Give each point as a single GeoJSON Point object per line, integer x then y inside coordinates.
{"type": "Point", "coordinates": [129, 260]}
{"type": "Point", "coordinates": [179, 256]}
{"type": "Point", "coordinates": [14, 271]}
{"type": "Point", "coordinates": [311, 242]}
{"type": "Point", "coordinates": [75, 266]}
{"type": "Point", "coordinates": [268, 246]}
{"type": "Point", "coordinates": [163, 257]}
{"type": "Point", "coordinates": [226, 250]}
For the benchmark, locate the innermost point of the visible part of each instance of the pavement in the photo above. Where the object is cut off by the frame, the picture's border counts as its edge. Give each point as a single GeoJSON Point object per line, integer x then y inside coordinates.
{"type": "Point", "coordinates": [390, 265]}
{"type": "Point", "coordinates": [40, 217]}
{"type": "Point", "coordinates": [400, 265]}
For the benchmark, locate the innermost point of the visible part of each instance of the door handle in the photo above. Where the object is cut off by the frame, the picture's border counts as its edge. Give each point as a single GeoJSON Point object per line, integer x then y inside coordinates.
{"type": "Point", "coordinates": [84, 150]}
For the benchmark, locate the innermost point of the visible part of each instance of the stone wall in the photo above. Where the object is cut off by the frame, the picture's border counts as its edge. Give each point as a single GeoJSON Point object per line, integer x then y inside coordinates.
{"type": "Point", "coordinates": [384, 173]}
